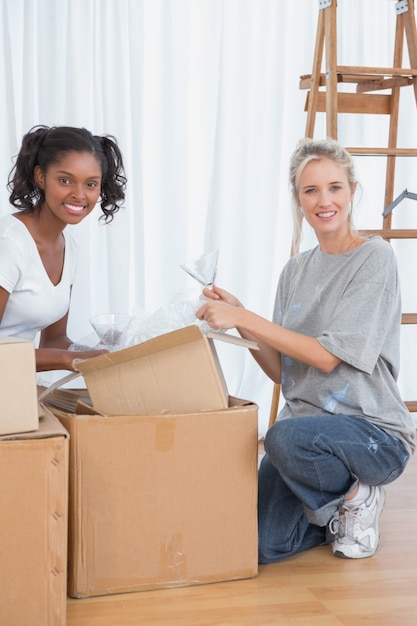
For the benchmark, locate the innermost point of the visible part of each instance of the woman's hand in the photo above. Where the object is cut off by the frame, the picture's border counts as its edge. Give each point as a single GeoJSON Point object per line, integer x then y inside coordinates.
{"type": "Point", "coordinates": [62, 359]}
{"type": "Point", "coordinates": [82, 355]}
{"type": "Point", "coordinates": [53, 352]}
{"type": "Point", "coordinates": [215, 293]}
{"type": "Point", "coordinates": [225, 311]}
{"type": "Point", "coordinates": [221, 309]}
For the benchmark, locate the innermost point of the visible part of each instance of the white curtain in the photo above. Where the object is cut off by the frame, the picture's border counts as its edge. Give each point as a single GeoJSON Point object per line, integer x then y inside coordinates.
{"type": "Point", "coordinates": [203, 98]}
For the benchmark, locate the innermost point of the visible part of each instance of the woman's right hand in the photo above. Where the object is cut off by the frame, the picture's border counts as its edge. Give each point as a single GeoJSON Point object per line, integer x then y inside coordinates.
{"type": "Point", "coordinates": [82, 355]}
{"type": "Point", "coordinates": [62, 359]}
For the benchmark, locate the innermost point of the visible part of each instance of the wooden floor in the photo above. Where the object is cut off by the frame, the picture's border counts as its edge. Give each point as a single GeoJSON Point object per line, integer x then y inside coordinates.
{"type": "Point", "coordinates": [314, 588]}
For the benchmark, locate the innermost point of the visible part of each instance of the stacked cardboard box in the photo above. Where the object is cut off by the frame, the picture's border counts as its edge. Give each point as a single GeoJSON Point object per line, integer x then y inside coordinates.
{"type": "Point", "coordinates": [18, 386]}
{"type": "Point", "coordinates": [33, 525]}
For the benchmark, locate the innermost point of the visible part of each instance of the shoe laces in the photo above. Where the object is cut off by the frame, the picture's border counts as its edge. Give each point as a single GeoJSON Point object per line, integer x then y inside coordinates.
{"type": "Point", "coordinates": [346, 523]}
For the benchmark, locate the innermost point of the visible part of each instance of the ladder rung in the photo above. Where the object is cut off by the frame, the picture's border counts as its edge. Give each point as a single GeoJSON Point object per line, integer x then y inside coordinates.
{"type": "Point", "coordinates": [364, 103]}
{"type": "Point", "coordinates": [392, 233]}
{"type": "Point", "coordinates": [380, 84]}
{"type": "Point", "coordinates": [347, 74]}
{"type": "Point", "coordinates": [411, 405]}
{"type": "Point", "coordinates": [306, 81]}
{"type": "Point", "coordinates": [383, 151]}
{"type": "Point", "coordinates": [375, 71]}
{"type": "Point", "coordinates": [409, 318]}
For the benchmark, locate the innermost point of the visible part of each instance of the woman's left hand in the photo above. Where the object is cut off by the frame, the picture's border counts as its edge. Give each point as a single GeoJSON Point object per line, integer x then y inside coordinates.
{"type": "Point", "coordinates": [219, 314]}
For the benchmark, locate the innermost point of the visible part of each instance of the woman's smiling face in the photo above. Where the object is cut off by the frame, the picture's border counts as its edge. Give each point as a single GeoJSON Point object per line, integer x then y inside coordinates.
{"type": "Point", "coordinates": [71, 186]}
{"type": "Point", "coordinates": [325, 197]}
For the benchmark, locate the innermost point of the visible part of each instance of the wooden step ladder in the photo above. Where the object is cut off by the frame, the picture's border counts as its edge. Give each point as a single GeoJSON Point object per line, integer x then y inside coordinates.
{"type": "Point", "coordinates": [325, 95]}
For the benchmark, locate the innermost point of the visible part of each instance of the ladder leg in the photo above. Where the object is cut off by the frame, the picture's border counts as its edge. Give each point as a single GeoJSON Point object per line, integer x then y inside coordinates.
{"type": "Point", "coordinates": [393, 123]}
{"type": "Point", "coordinates": [315, 77]}
{"type": "Point", "coordinates": [409, 21]}
{"type": "Point", "coordinates": [274, 405]}
{"type": "Point", "coordinates": [330, 35]}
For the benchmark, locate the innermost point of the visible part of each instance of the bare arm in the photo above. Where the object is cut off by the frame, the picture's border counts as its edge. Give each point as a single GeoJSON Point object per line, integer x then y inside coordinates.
{"type": "Point", "coordinates": [53, 353]}
{"type": "Point", "coordinates": [222, 310]}
{"type": "Point", "coordinates": [4, 296]}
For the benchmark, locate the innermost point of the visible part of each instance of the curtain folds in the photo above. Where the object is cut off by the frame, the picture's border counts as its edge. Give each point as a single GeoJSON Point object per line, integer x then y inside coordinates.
{"type": "Point", "coordinates": [203, 98]}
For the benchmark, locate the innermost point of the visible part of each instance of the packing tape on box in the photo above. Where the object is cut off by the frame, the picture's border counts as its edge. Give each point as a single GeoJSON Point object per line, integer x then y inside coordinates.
{"type": "Point", "coordinates": [165, 434]}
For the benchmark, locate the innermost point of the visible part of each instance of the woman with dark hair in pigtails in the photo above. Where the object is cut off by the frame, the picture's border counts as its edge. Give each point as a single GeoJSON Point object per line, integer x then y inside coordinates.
{"type": "Point", "coordinates": [59, 176]}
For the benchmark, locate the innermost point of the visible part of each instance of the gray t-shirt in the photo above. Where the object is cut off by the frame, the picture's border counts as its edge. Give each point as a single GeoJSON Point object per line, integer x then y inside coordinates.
{"type": "Point", "coordinates": [351, 304]}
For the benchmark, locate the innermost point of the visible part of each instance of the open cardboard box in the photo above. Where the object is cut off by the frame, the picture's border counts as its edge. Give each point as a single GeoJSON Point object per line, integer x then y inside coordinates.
{"type": "Point", "coordinates": [178, 372]}
{"type": "Point", "coordinates": [159, 501]}
{"type": "Point", "coordinates": [163, 469]}
{"type": "Point", "coordinates": [19, 405]}
{"type": "Point", "coordinates": [34, 525]}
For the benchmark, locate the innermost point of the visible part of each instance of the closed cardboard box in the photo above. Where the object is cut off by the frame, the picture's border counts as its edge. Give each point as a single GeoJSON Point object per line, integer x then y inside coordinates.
{"type": "Point", "coordinates": [18, 392]}
{"type": "Point", "coordinates": [33, 526]}
{"type": "Point", "coordinates": [162, 500]}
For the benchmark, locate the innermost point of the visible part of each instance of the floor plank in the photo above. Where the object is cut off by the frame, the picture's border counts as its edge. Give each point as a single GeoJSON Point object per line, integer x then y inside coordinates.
{"type": "Point", "coordinates": [311, 589]}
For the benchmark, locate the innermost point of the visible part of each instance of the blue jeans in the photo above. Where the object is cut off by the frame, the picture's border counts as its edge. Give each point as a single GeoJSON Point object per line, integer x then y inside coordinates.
{"type": "Point", "coordinates": [311, 465]}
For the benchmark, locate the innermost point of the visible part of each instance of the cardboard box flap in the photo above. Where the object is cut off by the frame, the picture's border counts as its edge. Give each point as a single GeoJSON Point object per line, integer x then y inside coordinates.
{"type": "Point", "coordinates": [146, 348]}
{"type": "Point", "coordinates": [178, 372]}
{"type": "Point", "coordinates": [158, 344]}
{"type": "Point", "coordinates": [65, 399]}
{"type": "Point", "coordinates": [236, 340]}
{"type": "Point", "coordinates": [49, 426]}
{"type": "Point", "coordinates": [240, 402]}
{"type": "Point", "coordinates": [67, 403]}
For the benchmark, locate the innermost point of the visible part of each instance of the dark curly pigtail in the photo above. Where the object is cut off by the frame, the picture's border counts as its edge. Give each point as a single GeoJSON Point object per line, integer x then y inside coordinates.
{"type": "Point", "coordinates": [24, 193]}
{"type": "Point", "coordinates": [113, 180]}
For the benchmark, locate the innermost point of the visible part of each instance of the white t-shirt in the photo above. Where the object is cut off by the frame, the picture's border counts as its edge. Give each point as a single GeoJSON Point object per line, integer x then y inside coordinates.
{"type": "Point", "coordinates": [34, 302]}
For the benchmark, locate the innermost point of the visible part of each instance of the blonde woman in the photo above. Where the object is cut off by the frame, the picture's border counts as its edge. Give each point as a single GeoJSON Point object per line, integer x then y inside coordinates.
{"type": "Point", "coordinates": [333, 345]}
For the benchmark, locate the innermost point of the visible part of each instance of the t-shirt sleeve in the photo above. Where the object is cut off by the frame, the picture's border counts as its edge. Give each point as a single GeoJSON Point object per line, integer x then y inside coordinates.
{"type": "Point", "coordinates": [283, 289]}
{"type": "Point", "coordinates": [369, 306]}
{"type": "Point", "coordinates": [11, 264]}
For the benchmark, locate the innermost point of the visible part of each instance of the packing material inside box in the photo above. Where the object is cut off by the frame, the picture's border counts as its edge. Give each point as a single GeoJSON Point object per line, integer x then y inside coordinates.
{"type": "Point", "coordinates": [34, 525]}
{"type": "Point", "coordinates": [162, 500]}
{"type": "Point", "coordinates": [177, 372]}
{"type": "Point", "coordinates": [19, 404]}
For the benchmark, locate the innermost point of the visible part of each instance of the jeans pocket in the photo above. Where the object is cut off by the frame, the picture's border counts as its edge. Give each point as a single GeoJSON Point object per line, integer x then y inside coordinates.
{"type": "Point", "coordinates": [400, 458]}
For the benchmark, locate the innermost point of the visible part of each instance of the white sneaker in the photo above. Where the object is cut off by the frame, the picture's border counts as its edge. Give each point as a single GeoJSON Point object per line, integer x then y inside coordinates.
{"type": "Point", "coordinates": [356, 528]}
